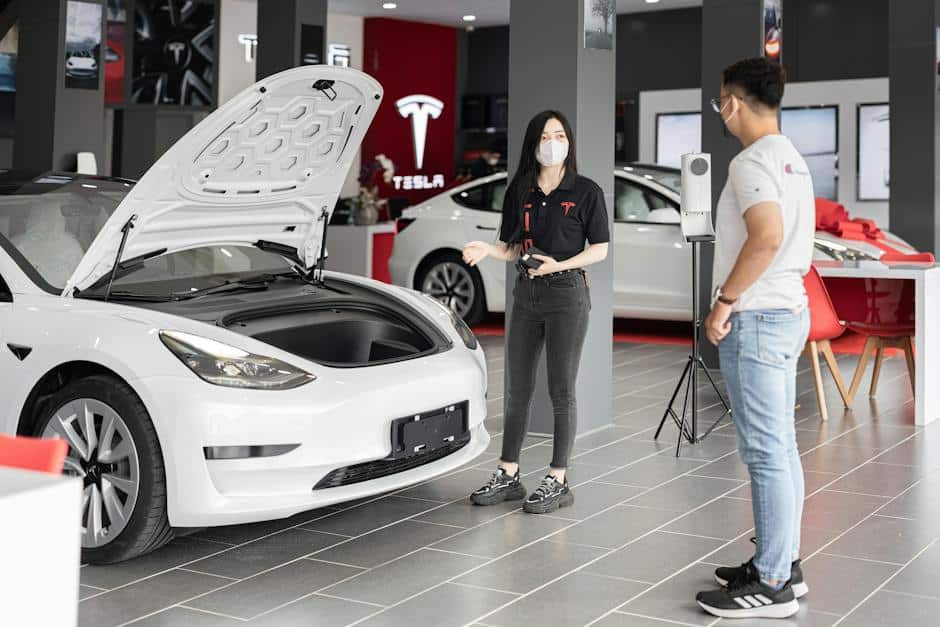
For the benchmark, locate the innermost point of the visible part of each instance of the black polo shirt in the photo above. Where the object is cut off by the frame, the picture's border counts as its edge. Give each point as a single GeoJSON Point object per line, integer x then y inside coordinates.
{"type": "Point", "coordinates": [560, 222]}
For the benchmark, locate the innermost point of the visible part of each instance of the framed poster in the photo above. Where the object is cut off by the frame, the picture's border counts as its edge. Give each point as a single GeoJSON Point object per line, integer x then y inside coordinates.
{"type": "Point", "coordinates": [814, 132]}
{"type": "Point", "coordinates": [773, 29]}
{"type": "Point", "coordinates": [600, 17]}
{"type": "Point", "coordinates": [82, 44]}
{"type": "Point", "coordinates": [677, 134]}
{"type": "Point", "coordinates": [115, 52]}
{"type": "Point", "coordinates": [174, 52]}
{"type": "Point", "coordinates": [874, 151]}
{"type": "Point", "coordinates": [311, 44]}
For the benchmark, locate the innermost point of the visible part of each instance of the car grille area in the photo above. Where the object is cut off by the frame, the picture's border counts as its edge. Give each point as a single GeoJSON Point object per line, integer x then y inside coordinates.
{"type": "Point", "coordinates": [367, 471]}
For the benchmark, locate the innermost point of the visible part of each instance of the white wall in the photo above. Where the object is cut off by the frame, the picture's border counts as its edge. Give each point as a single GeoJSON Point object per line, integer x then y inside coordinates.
{"type": "Point", "coordinates": [235, 74]}
{"type": "Point", "coordinates": [847, 95]}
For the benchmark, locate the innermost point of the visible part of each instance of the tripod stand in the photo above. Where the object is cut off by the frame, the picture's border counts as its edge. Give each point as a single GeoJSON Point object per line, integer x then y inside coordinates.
{"type": "Point", "coordinates": [695, 362]}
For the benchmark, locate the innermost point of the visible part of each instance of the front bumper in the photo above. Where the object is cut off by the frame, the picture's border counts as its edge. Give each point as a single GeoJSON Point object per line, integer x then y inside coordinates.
{"type": "Point", "coordinates": [341, 419]}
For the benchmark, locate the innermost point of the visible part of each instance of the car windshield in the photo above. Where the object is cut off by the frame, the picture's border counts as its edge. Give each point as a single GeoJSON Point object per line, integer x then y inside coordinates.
{"type": "Point", "coordinates": [667, 177]}
{"type": "Point", "coordinates": [175, 274]}
{"type": "Point", "coordinates": [48, 222]}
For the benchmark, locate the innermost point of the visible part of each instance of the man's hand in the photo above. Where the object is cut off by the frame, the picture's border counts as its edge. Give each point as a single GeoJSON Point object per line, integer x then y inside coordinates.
{"type": "Point", "coordinates": [717, 324]}
{"type": "Point", "coordinates": [548, 266]}
{"type": "Point", "coordinates": [475, 252]}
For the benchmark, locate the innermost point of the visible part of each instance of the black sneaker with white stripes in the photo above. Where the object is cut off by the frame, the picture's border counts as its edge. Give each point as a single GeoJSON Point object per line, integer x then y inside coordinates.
{"type": "Point", "coordinates": [726, 574]}
{"type": "Point", "coordinates": [501, 487]}
{"type": "Point", "coordinates": [748, 597]}
{"type": "Point", "coordinates": [549, 496]}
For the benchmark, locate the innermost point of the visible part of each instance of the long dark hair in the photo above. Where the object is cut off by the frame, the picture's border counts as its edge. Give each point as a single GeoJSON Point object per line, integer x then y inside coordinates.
{"type": "Point", "coordinates": [528, 169]}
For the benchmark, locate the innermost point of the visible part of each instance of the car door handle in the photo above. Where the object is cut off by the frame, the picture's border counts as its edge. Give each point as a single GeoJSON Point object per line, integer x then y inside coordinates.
{"type": "Point", "coordinates": [486, 228]}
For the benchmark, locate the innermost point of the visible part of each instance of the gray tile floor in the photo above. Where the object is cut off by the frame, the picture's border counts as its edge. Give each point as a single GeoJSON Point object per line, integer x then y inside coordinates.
{"type": "Point", "coordinates": [644, 535]}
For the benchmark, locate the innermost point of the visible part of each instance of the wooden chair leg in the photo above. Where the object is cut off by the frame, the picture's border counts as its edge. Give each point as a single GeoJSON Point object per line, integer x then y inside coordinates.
{"type": "Point", "coordinates": [908, 347]}
{"type": "Point", "coordinates": [876, 373]}
{"type": "Point", "coordinates": [826, 349]}
{"type": "Point", "coordinates": [817, 378]}
{"type": "Point", "coordinates": [870, 343]}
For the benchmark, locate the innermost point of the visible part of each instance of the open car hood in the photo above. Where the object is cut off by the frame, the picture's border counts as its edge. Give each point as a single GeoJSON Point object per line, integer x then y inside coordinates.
{"type": "Point", "coordinates": [267, 165]}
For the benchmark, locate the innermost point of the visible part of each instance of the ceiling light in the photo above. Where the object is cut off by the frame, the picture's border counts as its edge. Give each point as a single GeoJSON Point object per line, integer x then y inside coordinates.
{"type": "Point", "coordinates": [469, 18]}
{"type": "Point", "coordinates": [651, 1]}
{"type": "Point", "coordinates": [389, 5]}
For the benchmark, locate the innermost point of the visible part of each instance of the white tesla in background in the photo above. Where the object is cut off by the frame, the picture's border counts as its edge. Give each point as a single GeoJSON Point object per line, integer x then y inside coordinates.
{"type": "Point", "coordinates": [216, 375]}
{"type": "Point", "coordinates": [652, 261]}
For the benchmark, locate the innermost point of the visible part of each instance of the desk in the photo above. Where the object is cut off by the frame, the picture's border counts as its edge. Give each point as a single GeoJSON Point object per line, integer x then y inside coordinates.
{"type": "Point", "coordinates": [926, 278]}
{"type": "Point", "coordinates": [40, 547]}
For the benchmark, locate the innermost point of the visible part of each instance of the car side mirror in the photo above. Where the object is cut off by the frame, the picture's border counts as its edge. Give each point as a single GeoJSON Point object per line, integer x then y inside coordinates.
{"type": "Point", "coordinates": [666, 215]}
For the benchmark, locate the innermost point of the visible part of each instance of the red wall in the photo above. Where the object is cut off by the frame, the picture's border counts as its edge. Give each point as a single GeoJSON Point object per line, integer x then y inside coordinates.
{"type": "Point", "coordinates": [412, 58]}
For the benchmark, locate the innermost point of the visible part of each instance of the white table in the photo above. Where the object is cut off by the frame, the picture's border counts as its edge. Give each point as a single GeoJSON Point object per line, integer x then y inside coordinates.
{"type": "Point", "coordinates": [40, 548]}
{"type": "Point", "coordinates": [926, 279]}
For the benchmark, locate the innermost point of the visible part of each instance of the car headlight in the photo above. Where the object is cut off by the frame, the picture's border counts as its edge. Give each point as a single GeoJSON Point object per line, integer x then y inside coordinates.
{"type": "Point", "coordinates": [469, 339]}
{"type": "Point", "coordinates": [221, 364]}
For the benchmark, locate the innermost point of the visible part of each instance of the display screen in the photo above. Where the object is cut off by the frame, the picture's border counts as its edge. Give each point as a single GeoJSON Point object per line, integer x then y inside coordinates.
{"type": "Point", "coordinates": [82, 44]}
{"type": "Point", "coordinates": [874, 151]}
{"type": "Point", "coordinates": [174, 52]}
{"type": "Point", "coordinates": [814, 133]}
{"type": "Point", "coordinates": [677, 134]}
{"type": "Point", "coordinates": [115, 52]}
{"type": "Point", "coordinates": [8, 49]}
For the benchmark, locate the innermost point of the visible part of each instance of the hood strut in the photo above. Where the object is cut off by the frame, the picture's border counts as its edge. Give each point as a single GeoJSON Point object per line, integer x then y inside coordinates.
{"type": "Point", "coordinates": [125, 230]}
{"type": "Point", "coordinates": [321, 262]}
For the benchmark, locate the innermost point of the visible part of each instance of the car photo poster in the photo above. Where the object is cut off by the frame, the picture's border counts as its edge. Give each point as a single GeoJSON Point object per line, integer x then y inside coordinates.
{"type": "Point", "coordinates": [115, 52]}
{"type": "Point", "coordinates": [599, 20]}
{"type": "Point", "coordinates": [773, 29]}
{"type": "Point", "coordinates": [82, 44]}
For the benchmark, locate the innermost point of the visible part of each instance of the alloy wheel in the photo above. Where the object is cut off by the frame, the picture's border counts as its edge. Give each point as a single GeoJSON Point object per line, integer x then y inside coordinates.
{"type": "Point", "coordinates": [451, 284]}
{"type": "Point", "coordinates": [103, 455]}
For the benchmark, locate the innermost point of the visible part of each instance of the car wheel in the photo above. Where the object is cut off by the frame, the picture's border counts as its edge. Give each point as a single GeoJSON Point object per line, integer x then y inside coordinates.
{"type": "Point", "coordinates": [114, 450]}
{"type": "Point", "coordinates": [452, 282]}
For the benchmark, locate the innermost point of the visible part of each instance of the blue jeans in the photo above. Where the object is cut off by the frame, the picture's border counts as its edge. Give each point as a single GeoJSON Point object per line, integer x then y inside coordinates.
{"type": "Point", "coordinates": [758, 361]}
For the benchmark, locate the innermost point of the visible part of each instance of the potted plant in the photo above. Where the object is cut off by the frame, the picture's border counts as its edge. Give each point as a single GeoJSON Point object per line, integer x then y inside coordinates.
{"type": "Point", "coordinates": [366, 206]}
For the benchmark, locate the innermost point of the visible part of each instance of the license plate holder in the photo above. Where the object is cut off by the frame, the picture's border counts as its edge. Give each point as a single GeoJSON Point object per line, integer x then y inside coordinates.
{"type": "Point", "coordinates": [428, 431]}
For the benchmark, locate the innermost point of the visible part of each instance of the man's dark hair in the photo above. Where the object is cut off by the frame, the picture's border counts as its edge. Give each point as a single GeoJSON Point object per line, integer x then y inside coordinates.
{"type": "Point", "coordinates": [761, 79]}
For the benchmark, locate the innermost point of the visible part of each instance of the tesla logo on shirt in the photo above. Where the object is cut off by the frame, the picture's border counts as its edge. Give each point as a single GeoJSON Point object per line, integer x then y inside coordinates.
{"type": "Point", "coordinates": [789, 169]}
{"type": "Point", "coordinates": [420, 108]}
{"type": "Point", "coordinates": [567, 205]}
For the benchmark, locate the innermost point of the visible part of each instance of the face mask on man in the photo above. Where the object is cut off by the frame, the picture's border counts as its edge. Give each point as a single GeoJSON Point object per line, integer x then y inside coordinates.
{"type": "Point", "coordinates": [552, 152]}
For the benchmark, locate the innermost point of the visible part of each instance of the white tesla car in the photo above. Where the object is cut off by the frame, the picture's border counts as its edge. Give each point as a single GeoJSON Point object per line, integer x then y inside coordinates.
{"type": "Point", "coordinates": [652, 261]}
{"type": "Point", "coordinates": [182, 335]}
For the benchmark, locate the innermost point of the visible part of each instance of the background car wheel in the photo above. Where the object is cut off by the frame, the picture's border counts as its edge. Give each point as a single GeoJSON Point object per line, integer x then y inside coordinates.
{"type": "Point", "coordinates": [448, 279]}
{"type": "Point", "coordinates": [113, 448]}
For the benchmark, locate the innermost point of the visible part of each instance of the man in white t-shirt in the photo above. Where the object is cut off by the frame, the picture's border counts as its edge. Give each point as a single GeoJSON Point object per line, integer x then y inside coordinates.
{"type": "Point", "coordinates": [765, 222]}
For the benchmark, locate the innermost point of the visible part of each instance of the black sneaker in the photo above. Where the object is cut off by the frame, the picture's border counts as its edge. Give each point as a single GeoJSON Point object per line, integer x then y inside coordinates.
{"type": "Point", "coordinates": [748, 597]}
{"type": "Point", "coordinates": [501, 487]}
{"type": "Point", "coordinates": [549, 496]}
{"type": "Point", "coordinates": [726, 574]}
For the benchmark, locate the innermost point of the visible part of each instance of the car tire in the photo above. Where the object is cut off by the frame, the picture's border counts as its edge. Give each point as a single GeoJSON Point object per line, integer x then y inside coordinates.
{"type": "Point", "coordinates": [124, 437]}
{"type": "Point", "coordinates": [451, 264]}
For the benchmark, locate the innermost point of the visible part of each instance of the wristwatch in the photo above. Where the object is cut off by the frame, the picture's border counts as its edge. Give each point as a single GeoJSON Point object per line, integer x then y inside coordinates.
{"type": "Point", "coordinates": [721, 298]}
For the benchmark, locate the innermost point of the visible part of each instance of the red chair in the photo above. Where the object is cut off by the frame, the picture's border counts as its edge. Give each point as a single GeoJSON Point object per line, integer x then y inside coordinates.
{"type": "Point", "coordinates": [824, 326]}
{"type": "Point", "coordinates": [879, 337]}
{"type": "Point", "coordinates": [42, 454]}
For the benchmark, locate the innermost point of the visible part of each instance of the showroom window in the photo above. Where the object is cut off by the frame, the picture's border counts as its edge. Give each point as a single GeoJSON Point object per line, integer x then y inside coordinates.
{"type": "Point", "coordinates": [633, 203]}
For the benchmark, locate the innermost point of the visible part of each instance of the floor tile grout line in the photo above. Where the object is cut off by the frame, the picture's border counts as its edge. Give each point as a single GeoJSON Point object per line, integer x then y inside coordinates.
{"type": "Point", "coordinates": [859, 559]}
{"type": "Point", "coordinates": [656, 618]}
{"type": "Point", "coordinates": [897, 517]}
{"type": "Point", "coordinates": [359, 568]}
{"type": "Point", "coordinates": [615, 577]}
{"type": "Point", "coordinates": [328, 533]}
{"type": "Point", "coordinates": [323, 594]}
{"type": "Point", "coordinates": [437, 550]}
{"type": "Point", "coordinates": [200, 572]}
{"type": "Point", "coordinates": [885, 582]}
{"type": "Point", "coordinates": [695, 535]}
{"type": "Point", "coordinates": [925, 597]}
{"type": "Point", "coordinates": [869, 494]}
{"type": "Point", "coordinates": [476, 587]}
{"type": "Point", "coordinates": [211, 612]}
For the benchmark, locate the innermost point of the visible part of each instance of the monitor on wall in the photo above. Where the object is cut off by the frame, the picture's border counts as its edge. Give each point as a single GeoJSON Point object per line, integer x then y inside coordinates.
{"type": "Point", "coordinates": [874, 156]}
{"type": "Point", "coordinates": [676, 135]}
{"type": "Point", "coordinates": [814, 132]}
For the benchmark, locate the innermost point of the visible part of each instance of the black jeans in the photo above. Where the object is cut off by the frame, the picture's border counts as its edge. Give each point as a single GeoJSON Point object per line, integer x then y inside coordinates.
{"type": "Point", "coordinates": [549, 311]}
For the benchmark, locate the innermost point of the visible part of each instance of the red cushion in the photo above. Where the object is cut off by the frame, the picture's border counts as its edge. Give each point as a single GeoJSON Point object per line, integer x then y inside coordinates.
{"type": "Point", "coordinates": [912, 257]}
{"type": "Point", "coordinates": [824, 321]}
{"type": "Point", "coordinates": [887, 329]}
{"type": "Point", "coordinates": [42, 454]}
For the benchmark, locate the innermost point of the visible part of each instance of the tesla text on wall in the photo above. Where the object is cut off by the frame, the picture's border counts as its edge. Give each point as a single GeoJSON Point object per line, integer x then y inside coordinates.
{"type": "Point", "coordinates": [421, 109]}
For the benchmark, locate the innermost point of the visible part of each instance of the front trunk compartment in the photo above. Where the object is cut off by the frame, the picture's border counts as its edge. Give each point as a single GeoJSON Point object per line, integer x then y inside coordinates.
{"type": "Point", "coordinates": [338, 334]}
{"type": "Point", "coordinates": [341, 325]}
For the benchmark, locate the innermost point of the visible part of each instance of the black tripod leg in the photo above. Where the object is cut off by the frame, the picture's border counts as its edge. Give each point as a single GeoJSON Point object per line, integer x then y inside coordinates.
{"type": "Point", "coordinates": [715, 386]}
{"type": "Point", "coordinates": [672, 400]}
{"type": "Point", "coordinates": [683, 431]}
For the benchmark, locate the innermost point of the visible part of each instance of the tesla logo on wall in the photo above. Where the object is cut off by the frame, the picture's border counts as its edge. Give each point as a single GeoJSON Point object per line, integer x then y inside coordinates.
{"type": "Point", "coordinates": [420, 109]}
{"type": "Point", "coordinates": [250, 42]}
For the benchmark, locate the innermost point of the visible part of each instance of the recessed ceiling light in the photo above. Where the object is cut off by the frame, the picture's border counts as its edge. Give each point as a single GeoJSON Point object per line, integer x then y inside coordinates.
{"type": "Point", "coordinates": [469, 18]}
{"type": "Point", "coordinates": [389, 5]}
{"type": "Point", "coordinates": [651, 1]}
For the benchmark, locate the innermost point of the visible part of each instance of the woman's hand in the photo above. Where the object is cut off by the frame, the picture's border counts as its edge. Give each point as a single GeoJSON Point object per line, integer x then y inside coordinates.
{"type": "Point", "coordinates": [475, 252]}
{"type": "Point", "coordinates": [548, 266]}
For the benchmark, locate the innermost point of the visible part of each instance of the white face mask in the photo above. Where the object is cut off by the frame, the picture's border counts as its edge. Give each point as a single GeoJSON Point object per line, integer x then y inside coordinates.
{"type": "Point", "coordinates": [552, 152]}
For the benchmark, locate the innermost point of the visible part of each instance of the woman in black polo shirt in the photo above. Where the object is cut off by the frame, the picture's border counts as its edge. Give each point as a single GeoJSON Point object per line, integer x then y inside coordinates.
{"type": "Point", "coordinates": [551, 209]}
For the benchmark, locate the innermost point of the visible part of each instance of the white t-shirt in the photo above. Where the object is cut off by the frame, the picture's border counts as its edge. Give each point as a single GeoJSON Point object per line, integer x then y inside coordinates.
{"type": "Point", "coordinates": [769, 170]}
